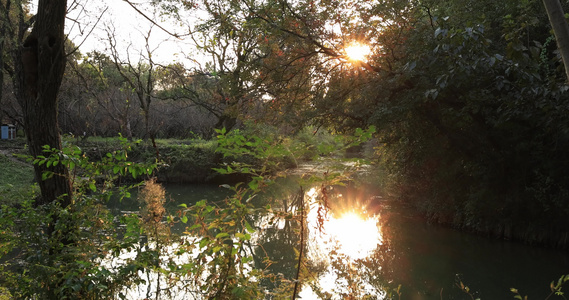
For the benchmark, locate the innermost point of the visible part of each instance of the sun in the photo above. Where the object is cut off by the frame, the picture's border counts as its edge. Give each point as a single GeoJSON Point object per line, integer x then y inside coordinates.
{"type": "Point", "coordinates": [357, 51]}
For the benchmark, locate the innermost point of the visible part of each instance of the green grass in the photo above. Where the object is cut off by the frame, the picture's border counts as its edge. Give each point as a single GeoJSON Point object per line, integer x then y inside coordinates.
{"type": "Point", "coordinates": [16, 181]}
{"type": "Point", "coordinates": [196, 143]}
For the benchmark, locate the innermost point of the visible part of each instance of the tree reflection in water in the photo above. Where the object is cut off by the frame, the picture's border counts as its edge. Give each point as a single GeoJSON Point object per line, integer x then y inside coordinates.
{"type": "Point", "coordinates": [342, 258]}
{"type": "Point", "coordinates": [346, 255]}
{"type": "Point", "coordinates": [423, 258]}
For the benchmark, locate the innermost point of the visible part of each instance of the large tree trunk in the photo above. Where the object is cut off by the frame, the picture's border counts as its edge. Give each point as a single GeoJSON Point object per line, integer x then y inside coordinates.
{"type": "Point", "coordinates": [2, 34]}
{"type": "Point", "coordinates": [4, 24]}
{"type": "Point", "coordinates": [560, 28]}
{"type": "Point", "coordinates": [41, 68]}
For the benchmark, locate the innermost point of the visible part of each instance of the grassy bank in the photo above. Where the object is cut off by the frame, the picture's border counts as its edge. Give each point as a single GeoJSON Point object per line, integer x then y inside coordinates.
{"type": "Point", "coordinates": [181, 161]}
{"type": "Point", "coordinates": [185, 160]}
{"type": "Point", "coordinates": [16, 179]}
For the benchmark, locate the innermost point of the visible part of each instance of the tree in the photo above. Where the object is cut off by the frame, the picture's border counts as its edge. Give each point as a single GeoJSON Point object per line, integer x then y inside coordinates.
{"type": "Point", "coordinates": [14, 22]}
{"type": "Point", "coordinates": [40, 68]}
{"type": "Point", "coordinates": [140, 78]}
{"type": "Point", "coordinates": [4, 29]}
{"type": "Point", "coordinates": [560, 28]}
{"type": "Point", "coordinates": [470, 141]}
{"type": "Point", "coordinates": [97, 101]}
{"type": "Point", "coordinates": [224, 81]}
{"type": "Point", "coordinates": [197, 92]}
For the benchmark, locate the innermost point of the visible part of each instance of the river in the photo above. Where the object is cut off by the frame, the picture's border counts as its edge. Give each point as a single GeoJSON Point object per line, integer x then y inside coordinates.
{"type": "Point", "coordinates": [427, 261]}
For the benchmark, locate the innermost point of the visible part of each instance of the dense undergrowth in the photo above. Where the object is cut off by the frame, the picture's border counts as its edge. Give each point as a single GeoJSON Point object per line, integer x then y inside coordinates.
{"type": "Point", "coordinates": [68, 257]}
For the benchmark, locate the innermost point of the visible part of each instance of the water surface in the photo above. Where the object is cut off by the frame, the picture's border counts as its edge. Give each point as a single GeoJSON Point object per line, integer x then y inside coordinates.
{"type": "Point", "coordinates": [396, 248]}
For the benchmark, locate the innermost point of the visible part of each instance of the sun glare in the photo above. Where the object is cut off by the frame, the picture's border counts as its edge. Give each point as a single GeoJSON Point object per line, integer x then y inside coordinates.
{"type": "Point", "coordinates": [350, 233]}
{"type": "Point", "coordinates": [357, 51]}
{"type": "Point", "coordinates": [357, 237]}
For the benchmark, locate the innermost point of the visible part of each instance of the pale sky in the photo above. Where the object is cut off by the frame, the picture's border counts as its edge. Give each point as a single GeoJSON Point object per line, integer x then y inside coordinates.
{"type": "Point", "coordinates": [130, 29]}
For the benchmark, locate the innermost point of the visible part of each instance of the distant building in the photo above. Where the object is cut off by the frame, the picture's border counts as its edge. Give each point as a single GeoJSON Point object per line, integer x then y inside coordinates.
{"type": "Point", "coordinates": [8, 132]}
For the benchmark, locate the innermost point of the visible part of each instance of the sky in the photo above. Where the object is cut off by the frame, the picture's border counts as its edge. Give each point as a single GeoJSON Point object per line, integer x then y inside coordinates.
{"type": "Point", "coordinates": [86, 31]}
{"type": "Point", "coordinates": [89, 20]}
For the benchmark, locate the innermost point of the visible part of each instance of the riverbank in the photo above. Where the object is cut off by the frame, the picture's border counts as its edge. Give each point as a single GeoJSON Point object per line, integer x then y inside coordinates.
{"type": "Point", "coordinates": [193, 161]}
{"type": "Point", "coordinates": [180, 161]}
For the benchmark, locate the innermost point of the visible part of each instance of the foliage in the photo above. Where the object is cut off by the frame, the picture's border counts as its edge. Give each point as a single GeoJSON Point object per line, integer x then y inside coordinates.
{"type": "Point", "coordinates": [222, 267]}
{"type": "Point", "coordinates": [224, 264]}
{"type": "Point", "coordinates": [470, 134]}
{"type": "Point", "coordinates": [72, 266]}
{"type": "Point", "coordinates": [187, 161]}
{"type": "Point", "coordinates": [311, 144]}
{"type": "Point", "coordinates": [225, 260]}
{"type": "Point", "coordinates": [218, 255]}
{"type": "Point", "coordinates": [555, 289]}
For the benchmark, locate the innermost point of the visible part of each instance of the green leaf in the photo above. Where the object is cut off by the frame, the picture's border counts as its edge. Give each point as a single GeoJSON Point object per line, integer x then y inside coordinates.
{"type": "Point", "coordinates": [47, 174]}
{"type": "Point", "coordinates": [184, 219]}
{"type": "Point", "coordinates": [238, 291]}
{"type": "Point", "coordinates": [242, 236]}
{"type": "Point", "coordinates": [254, 185]}
{"type": "Point", "coordinates": [221, 235]}
{"type": "Point", "coordinates": [220, 171]}
{"type": "Point", "coordinates": [92, 187]}
{"type": "Point", "coordinates": [249, 227]}
{"type": "Point", "coordinates": [133, 171]}
{"type": "Point", "coordinates": [204, 242]}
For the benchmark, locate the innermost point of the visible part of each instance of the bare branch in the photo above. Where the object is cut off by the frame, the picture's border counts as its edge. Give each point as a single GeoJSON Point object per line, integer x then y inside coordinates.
{"type": "Point", "coordinates": [88, 34]}
{"type": "Point", "coordinates": [152, 21]}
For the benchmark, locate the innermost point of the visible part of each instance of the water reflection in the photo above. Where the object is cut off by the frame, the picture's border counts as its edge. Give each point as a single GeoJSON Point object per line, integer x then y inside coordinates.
{"type": "Point", "coordinates": [359, 246]}
{"type": "Point", "coordinates": [356, 236]}
{"type": "Point", "coordinates": [345, 242]}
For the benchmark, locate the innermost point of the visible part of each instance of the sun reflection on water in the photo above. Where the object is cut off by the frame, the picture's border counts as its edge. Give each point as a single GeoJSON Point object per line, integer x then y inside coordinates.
{"type": "Point", "coordinates": [347, 238]}
{"type": "Point", "coordinates": [355, 235]}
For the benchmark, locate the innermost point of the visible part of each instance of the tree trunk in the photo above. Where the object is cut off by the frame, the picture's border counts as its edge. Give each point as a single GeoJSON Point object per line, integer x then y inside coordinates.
{"type": "Point", "coordinates": [40, 72]}
{"type": "Point", "coordinates": [560, 28]}
{"type": "Point", "coordinates": [2, 34]}
{"type": "Point", "coordinates": [4, 24]}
